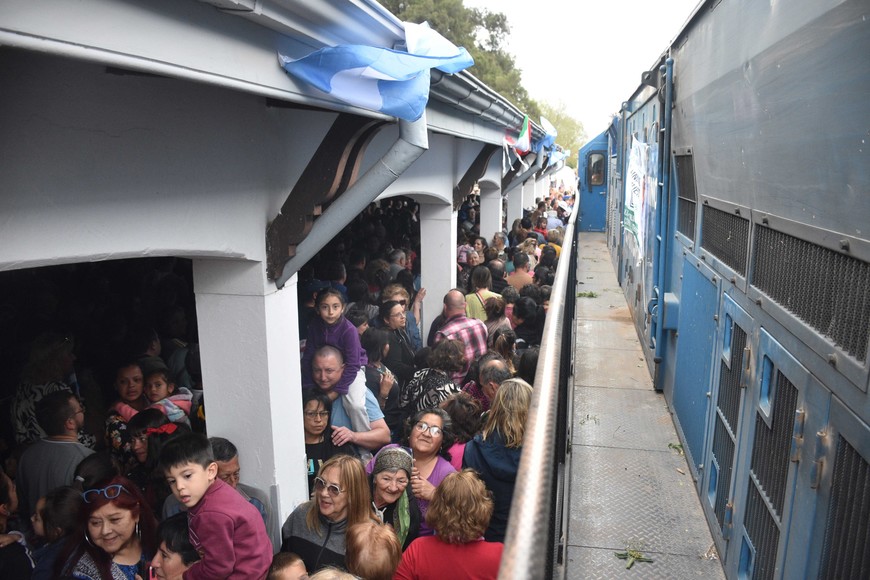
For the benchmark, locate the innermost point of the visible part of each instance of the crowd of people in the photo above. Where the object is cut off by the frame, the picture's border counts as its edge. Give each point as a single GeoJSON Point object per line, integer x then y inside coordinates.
{"type": "Point", "coordinates": [429, 471]}
{"type": "Point", "coordinates": [413, 442]}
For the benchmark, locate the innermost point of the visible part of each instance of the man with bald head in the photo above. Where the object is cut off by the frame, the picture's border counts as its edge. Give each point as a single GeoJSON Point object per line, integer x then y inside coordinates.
{"type": "Point", "coordinates": [326, 368]}
{"type": "Point", "coordinates": [470, 331]}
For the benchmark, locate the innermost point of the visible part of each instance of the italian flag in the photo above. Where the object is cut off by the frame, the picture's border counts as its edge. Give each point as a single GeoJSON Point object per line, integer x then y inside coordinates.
{"type": "Point", "coordinates": [522, 143]}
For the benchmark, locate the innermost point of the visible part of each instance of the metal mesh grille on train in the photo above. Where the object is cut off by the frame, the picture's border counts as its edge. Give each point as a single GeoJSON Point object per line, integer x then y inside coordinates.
{"type": "Point", "coordinates": [728, 402]}
{"type": "Point", "coordinates": [726, 236]}
{"type": "Point", "coordinates": [845, 553]}
{"type": "Point", "coordinates": [688, 197]}
{"type": "Point", "coordinates": [828, 290]}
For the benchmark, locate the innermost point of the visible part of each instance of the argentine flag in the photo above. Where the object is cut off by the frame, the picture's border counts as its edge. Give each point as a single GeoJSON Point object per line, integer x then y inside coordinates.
{"type": "Point", "coordinates": [392, 82]}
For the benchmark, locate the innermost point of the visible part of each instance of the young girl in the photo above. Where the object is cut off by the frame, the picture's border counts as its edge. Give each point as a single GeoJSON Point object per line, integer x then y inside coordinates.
{"type": "Point", "coordinates": [161, 393]}
{"type": "Point", "coordinates": [332, 328]}
{"type": "Point", "coordinates": [54, 519]}
{"type": "Point", "coordinates": [149, 430]}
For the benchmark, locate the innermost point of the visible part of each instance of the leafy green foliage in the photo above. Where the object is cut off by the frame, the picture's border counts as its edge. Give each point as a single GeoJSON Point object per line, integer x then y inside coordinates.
{"type": "Point", "coordinates": [484, 34]}
{"type": "Point", "coordinates": [571, 136]}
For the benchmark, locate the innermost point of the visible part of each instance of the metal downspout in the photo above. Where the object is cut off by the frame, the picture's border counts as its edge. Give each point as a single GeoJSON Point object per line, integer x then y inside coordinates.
{"type": "Point", "coordinates": [663, 210]}
{"type": "Point", "coordinates": [413, 141]}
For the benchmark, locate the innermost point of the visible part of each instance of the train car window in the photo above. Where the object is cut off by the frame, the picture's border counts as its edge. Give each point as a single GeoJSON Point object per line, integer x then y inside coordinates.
{"type": "Point", "coordinates": [596, 169]}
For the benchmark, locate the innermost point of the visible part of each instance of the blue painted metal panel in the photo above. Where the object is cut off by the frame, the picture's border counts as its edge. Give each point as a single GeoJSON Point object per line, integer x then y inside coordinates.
{"type": "Point", "coordinates": [592, 167]}
{"type": "Point", "coordinates": [718, 482]}
{"type": "Point", "coordinates": [784, 462]}
{"type": "Point", "coordinates": [696, 335]}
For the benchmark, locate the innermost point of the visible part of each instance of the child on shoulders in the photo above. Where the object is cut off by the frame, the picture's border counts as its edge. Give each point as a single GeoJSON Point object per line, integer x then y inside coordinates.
{"type": "Point", "coordinates": [226, 531]}
{"type": "Point", "coordinates": [331, 327]}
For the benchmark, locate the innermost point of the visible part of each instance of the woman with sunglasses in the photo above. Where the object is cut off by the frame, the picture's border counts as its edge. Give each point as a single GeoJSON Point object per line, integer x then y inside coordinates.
{"type": "Point", "coordinates": [115, 539]}
{"type": "Point", "coordinates": [316, 529]}
{"type": "Point", "coordinates": [430, 435]}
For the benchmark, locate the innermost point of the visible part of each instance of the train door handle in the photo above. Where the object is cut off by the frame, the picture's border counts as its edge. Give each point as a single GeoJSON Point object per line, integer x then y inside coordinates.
{"type": "Point", "coordinates": [797, 437]}
{"type": "Point", "coordinates": [727, 521]}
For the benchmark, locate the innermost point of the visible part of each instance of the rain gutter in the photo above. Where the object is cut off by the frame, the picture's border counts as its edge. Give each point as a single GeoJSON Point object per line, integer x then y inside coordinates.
{"type": "Point", "coordinates": [413, 141]}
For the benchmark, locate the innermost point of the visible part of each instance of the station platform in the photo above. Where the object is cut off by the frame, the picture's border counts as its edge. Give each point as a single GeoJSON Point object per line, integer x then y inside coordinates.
{"type": "Point", "coordinates": [630, 486]}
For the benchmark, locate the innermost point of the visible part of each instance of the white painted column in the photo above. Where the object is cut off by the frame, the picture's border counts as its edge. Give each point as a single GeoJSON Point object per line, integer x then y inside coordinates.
{"type": "Point", "coordinates": [490, 211]}
{"type": "Point", "coordinates": [249, 344]}
{"type": "Point", "coordinates": [529, 194]}
{"type": "Point", "coordinates": [438, 251]}
{"type": "Point", "coordinates": [514, 205]}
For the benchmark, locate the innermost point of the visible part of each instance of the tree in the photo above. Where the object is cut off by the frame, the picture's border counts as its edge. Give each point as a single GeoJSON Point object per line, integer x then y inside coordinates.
{"type": "Point", "coordinates": [571, 134]}
{"type": "Point", "coordinates": [484, 35]}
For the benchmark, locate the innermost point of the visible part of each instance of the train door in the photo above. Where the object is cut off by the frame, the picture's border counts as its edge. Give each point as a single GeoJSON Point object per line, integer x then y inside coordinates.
{"type": "Point", "coordinates": [687, 396]}
{"type": "Point", "coordinates": [731, 379]}
{"type": "Point", "coordinates": [838, 489]}
{"type": "Point", "coordinates": [784, 407]}
{"type": "Point", "coordinates": [593, 185]}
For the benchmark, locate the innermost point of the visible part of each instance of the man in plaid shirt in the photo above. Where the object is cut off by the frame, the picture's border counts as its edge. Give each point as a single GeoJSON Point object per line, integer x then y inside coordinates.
{"type": "Point", "coordinates": [470, 331]}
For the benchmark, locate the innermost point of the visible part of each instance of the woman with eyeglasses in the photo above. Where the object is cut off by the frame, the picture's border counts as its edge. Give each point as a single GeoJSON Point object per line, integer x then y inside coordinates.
{"type": "Point", "coordinates": [319, 447]}
{"type": "Point", "coordinates": [430, 435]}
{"type": "Point", "coordinates": [115, 539]}
{"type": "Point", "coordinates": [315, 530]}
{"type": "Point", "coordinates": [392, 497]}
{"type": "Point", "coordinates": [495, 452]}
{"type": "Point", "coordinates": [400, 357]}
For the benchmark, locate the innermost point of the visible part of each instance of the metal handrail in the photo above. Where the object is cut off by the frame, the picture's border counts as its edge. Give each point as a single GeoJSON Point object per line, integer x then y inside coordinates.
{"type": "Point", "coordinates": [530, 539]}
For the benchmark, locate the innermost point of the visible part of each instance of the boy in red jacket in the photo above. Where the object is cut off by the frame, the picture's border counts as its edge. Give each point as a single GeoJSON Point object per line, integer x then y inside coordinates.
{"type": "Point", "coordinates": [226, 531]}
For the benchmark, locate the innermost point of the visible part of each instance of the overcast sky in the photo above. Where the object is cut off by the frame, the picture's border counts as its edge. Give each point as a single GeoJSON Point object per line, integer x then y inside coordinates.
{"type": "Point", "coordinates": [588, 53]}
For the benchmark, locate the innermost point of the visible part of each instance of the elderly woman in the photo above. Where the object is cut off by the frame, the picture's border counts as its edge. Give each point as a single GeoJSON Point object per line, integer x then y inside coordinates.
{"type": "Point", "coordinates": [315, 530]}
{"type": "Point", "coordinates": [115, 540]}
{"type": "Point", "coordinates": [175, 554]}
{"type": "Point", "coordinates": [433, 384]}
{"type": "Point", "coordinates": [460, 512]}
{"type": "Point", "coordinates": [499, 242]}
{"type": "Point", "coordinates": [495, 452]}
{"type": "Point", "coordinates": [463, 277]}
{"type": "Point", "coordinates": [430, 436]}
{"type": "Point", "coordinates": [392, 497]}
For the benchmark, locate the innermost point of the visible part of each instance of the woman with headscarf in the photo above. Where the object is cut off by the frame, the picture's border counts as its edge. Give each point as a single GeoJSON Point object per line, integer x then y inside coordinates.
{"type": "Point", "coordinates": [392, 497]}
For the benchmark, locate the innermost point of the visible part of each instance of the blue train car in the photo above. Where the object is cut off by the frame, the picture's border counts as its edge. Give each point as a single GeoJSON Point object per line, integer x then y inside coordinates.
{"type": "Point", "coordinates": [592, 184]}
{"type": "Point", "coordinates": [737, 216]}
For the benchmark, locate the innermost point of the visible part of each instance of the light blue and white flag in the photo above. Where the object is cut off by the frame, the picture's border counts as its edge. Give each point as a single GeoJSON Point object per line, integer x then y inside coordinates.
{"type": "Point", "coordinates": [550, 133]}
{"type": "Point", "coordinates": [393, 82]}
